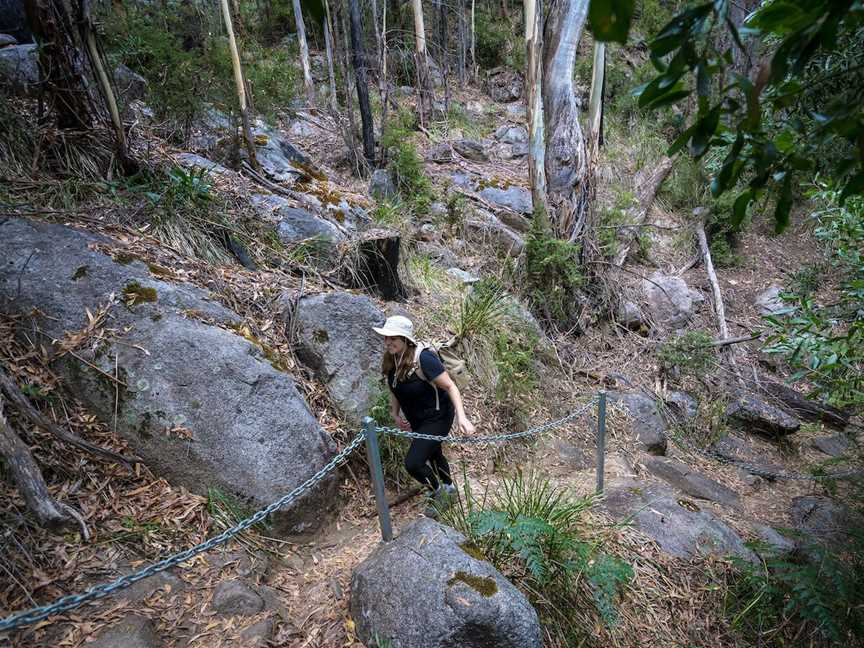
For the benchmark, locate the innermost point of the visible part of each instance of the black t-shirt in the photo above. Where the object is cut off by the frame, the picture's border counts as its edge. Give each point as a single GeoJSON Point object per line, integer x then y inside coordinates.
{"type": "Point", "coordinates": [417, 397]}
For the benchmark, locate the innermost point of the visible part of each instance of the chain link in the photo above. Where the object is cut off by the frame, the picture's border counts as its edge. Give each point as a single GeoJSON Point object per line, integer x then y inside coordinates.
{"type": "Point", "coordinates": [540, 429]}
{"type": "Point", "coordinates": [100, 591]}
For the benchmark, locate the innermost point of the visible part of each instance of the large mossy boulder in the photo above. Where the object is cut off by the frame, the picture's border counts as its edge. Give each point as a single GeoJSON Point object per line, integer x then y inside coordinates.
{"type": "Point", "coordinates": [202, 406]}
{"type": "Point", "coordinates": [337, 342]}
{"type": "Point", "coordinates": [423, 590]}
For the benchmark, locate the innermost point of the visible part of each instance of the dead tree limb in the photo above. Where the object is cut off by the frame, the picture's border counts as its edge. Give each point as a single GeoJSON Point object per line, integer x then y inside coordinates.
{"type": "Point", "coordinates": [50, 514]}
{"type": "Point", "coordinates": [647, 183]}
{"type": "Point", "coordinates": [10, 389]}
{"type": "Point", "coordinates": [712, 277]}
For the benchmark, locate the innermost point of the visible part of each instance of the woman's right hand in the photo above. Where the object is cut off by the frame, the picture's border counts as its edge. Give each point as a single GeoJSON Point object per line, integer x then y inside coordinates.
{"type": "Point", "coordinates": [401, 423]}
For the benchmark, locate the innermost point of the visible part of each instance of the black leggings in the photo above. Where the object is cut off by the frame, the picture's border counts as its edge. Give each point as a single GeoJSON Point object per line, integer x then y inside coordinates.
{"type": "Point", "coordinates": [425, 461]}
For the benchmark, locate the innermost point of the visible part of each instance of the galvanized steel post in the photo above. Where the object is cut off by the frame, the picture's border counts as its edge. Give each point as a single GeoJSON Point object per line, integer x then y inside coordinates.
{"type": "Point", "coordinates": [601, 439]}
{"type": "Point", "coordinates": [373, 453]}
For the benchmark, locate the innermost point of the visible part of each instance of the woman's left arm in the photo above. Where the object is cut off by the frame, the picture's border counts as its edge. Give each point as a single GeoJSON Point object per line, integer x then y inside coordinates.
{"type": "Point", "coordinates": [445, 382]}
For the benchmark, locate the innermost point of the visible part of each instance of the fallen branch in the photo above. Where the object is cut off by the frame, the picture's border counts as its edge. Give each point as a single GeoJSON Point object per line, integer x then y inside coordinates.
{"type": "Point", "coordinates": [19, 400]}
{"type": "Point", "coordinates": [712, 278]}
{"type": "Point", "coordinates": [401, 499]}
{"type": "Point", "coordinates": [50, 513]}
{"type": "Point", "coordinates": [736, 340]}
{"type": "Point", "coordinates": [647, 184]}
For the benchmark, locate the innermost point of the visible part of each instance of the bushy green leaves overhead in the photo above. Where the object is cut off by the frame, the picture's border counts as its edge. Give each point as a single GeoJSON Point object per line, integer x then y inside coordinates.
{"type": "Point", "coordinates": [774, 122]}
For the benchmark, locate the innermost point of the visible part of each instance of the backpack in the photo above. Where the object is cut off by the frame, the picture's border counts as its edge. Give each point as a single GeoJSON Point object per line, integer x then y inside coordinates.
{"type": "Point", "coordinates": [448, 353]}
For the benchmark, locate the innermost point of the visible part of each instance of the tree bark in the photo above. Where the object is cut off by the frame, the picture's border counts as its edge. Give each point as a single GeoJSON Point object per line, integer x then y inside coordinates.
{"type": "Point", "coordinates": [534, 86]}
{"type": "Point", "coordinates": [567, 172]}
{"type": "Point", "coordinates": [62, 62]}
{"type": "Point", "coordinates": [715, 289]}
{"type": "Point", "coordinates": [308, 83]}
{"type": "Point", "coordinates": [328, 44]}
{"type": "Point", "coordinates": [51, 514]}
{"type": "Point", "coordinates": [648, 182]}
{"type": "Point", "coordinates": [595, 101]}
{"type": "Point", "coordinates": [425, 97]}
{"type": "Point", "coordinates": [351, 134]}
{"type": "Point", "coordinates": [474, 70]}
{"type": "Point", "coordinates": [241, 88]}
{"type": "Point", "coordinates": [362, 83]}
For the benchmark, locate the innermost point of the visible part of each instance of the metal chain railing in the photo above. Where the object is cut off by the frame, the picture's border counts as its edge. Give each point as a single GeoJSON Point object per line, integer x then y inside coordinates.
{"type": "Point", "coordinates": [100, 591]}
{"type": "Point", "coordinates": [495, 438]}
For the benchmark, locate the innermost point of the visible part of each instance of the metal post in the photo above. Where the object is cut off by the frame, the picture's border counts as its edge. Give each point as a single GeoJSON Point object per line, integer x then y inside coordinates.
{"type": "Point", "coordinates": [601, 438]}
{"type": "Point", "coordinates": [377, 473]}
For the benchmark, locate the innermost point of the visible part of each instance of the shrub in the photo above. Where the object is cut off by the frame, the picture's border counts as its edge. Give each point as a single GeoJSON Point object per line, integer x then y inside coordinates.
{"type": "Point", "coordinates": [406, 165]}
{"type": "Point", "coordinates": [498, 43]}
{"type": "Point", "coordinates": [690, 353]}
{"type": "Point", "coordinates": [552, 274]}
{"type": "Point", "coordinates": [534, 531]}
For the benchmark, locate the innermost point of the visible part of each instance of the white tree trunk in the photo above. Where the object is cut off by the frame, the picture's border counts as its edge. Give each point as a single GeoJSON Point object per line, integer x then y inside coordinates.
{"type": "Point", "coordinates": [421, 63]}
{"type": "Point", "coordinates": [566, 155]}
{"type": "Point", "coordinates": [308, 83]}
{"type": "Point", "coordinates": [328, 44]}
{"type": "Point", "coordinates": [595, 101]}
{"type": "Point", "coordinates": [534, 84]}
{"type": "Point", "coordinates": [473, 41]}
{"type": "Point", "coordinates": [241, 88]}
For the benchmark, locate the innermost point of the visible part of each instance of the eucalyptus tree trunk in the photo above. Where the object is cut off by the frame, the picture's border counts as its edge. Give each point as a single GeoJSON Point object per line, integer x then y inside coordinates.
{"type": "Point", "coordinates": [567, 172]}
{"type": "Point", "coordinates": [460, 61]}
{"type": "Point", "coordinates": [241, 88]}
{"type": "Point", "coordinates": [359, 60]}
{"type": "Point", "coordinates": [534, 84]}
{"type": "Point", "coordinates": [63, 63]}
{"type": "Point", "coordinates": [595, 100]}
{"type": "Point", "coordinates": [308, 83]}
{"type": "Point", "coordinates": [350, 133]}
{"type": "Point", "coordinates": [328, 45]}
{"type": "Point", "coordinates": [474, 70]}
{"type": "Point", "coordinates": [421, 65]}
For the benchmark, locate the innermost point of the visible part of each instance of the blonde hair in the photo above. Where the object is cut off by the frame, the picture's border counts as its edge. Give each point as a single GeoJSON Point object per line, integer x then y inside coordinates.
{"type": "Point", "coordinates": [405, 361]}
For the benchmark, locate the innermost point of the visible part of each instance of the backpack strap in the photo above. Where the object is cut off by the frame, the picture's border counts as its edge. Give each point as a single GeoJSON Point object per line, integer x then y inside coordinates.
{"type": "Point", "coordinates": [419, 371]}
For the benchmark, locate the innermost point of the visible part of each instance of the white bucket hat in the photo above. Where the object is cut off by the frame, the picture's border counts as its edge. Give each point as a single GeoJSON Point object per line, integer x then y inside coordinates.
{"type": "Point", "coordinates": [397, 326]}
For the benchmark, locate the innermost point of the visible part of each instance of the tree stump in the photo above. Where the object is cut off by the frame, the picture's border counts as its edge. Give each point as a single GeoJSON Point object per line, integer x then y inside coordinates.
{"type": "Point", "coordinates": [374, 264]}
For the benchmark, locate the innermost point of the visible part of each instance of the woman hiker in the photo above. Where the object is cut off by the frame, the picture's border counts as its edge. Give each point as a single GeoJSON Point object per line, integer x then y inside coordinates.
{"type": "Point", "coordinates": [429, 405]}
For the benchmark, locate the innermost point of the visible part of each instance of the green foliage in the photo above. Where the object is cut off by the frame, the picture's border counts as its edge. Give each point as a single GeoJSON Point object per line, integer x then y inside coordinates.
{"type": "Point", "coordinates": [226, 510]}
{"type": "Point", "coordinates": [773, 127]}
{"type": "Point", "coordinates": [405, 164]}
{"type": "Point", "coordinates": [392, 449]}
{"type": "Point", "coordinates": [686, 187]}
{"type": "Point", "coordinates": [179, 208]}
{"type": "Point", "coordinates": [819, 588]}
{"type": "Point", "coordinates": [535, 531]}
{"type": "Point", "coordinates": [824, 343]}
{"type": "Point", "coordinates": [691, 353]}
{"type": "Point", "coordinates": [612, 219]}
{"type": "Point", "coordinates": [498, 42]}
{"type": "Point", "coordinates": [482, 309]}
{"type": "Point", "coordinates": [515, 365]}
{"type": "Point", "coordinates": [552, 274]}
{"type": "Point", "coordinates": [184, 55]}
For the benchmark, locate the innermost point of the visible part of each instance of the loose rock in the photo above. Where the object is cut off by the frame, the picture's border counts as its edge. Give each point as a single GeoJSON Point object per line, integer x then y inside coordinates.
{"type": "Point", "coordinates": [769, 302]}
{"type": "Point", "coordinates": [648, 426]}
{"type": "Point", "coordinates": [835, 446]}
{"type": "Point", "coordinates": [504, 84]}
{"type": "Point", "coordinates": [691, 482]}
{"type": "Point", "coordinates": [130, 632]}
{"type": "Point", "coordinates": [470, 150]}
{"type": "Point", "coordinates": [510, 134]}
{"type": "Point", "coordinates": [381, 185]}
{"type": "Point", "coordinates": [516, 198]}
{"type": "Point", "coordinates": [233, 598]}
{"type": "Point", "coordinates": [752, 414]}
{"type": "Point", "coordinates": [678, 525]}
{"type": "Point", "coordinates": [336, 340]}
{"type": "Point", "coordinates": [669, 301]}
{"type": "Point", "coordinates": [459, 602]}
{"type": "Point", "coordinates": [488, 229]}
